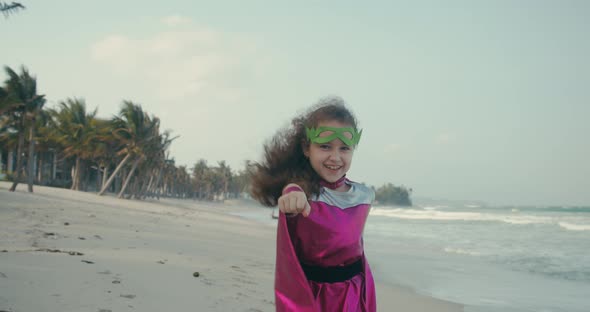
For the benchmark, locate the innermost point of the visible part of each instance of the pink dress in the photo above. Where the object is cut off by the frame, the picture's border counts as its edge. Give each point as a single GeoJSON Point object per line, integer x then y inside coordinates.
{"type": "Point", "coordinates": [329, 239]}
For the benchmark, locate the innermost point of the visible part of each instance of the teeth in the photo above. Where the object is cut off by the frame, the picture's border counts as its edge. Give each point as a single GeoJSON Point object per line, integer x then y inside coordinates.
{"type": "Point", "coordinates": [333, 167]}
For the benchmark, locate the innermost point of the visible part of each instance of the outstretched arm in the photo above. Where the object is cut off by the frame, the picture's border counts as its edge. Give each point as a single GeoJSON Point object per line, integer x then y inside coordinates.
{"type": "Point", "coordinates": [294, 201]}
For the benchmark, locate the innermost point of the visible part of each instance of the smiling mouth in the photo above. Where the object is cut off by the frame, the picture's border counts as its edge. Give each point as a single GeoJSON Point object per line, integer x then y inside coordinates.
{"type": "Point", "coordinates": [333, 167]}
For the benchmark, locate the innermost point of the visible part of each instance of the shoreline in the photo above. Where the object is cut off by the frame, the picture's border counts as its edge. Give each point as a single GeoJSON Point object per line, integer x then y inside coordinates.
{"type": "Point", "coordinates": [63, 250]}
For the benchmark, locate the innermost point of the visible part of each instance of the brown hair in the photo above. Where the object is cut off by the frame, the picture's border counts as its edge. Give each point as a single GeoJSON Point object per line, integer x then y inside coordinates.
{"type": "Point", "coordinates": [284, 161]}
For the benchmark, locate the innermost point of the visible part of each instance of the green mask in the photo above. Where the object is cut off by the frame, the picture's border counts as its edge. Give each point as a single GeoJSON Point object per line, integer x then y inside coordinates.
{"type": "Point", "coordinates": [321, 135]}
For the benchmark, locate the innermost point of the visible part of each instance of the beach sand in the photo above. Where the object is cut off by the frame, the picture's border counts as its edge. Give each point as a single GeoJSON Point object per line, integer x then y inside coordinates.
{"type": "Point", "coordinates": [63, 250]}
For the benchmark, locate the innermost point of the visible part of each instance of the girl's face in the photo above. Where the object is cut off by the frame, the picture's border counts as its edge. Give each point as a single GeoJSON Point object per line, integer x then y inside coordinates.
{"type": "Point", "coordinates": [330, 160]}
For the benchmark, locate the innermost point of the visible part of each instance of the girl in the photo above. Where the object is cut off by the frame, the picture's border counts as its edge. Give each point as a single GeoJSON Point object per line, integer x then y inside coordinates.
{"type": "Point", "coordinates": [320, 261]}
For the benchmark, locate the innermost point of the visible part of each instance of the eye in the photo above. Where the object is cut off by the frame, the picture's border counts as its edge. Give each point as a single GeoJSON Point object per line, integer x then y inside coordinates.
{"type": "Point", "coordinates": [325, 146]}
{"type": "Point", "coordinates": [345, 148]}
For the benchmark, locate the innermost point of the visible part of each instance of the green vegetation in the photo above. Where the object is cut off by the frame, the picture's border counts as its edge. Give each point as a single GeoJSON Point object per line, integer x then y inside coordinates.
{"type": "Point", "coordinates": [390, 194]}
{"type": "Point", "coordinates": [69, 146]}
{"type": "Point", "coordinates": [9, 8]}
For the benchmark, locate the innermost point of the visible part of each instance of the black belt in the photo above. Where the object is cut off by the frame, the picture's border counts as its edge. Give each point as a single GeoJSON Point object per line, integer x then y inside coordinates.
{"type": "Point", "coordinates": [332, 274]}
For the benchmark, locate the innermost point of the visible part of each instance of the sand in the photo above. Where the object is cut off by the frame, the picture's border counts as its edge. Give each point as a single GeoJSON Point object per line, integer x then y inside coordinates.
{"type": "Point", "coordinates": [63, 250]}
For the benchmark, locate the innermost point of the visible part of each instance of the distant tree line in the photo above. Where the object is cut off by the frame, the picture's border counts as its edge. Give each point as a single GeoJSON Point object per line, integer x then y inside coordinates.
{"type": "Point", "coordinates": [69, 146]}
{"type": "Point", "coordinates": [389, 194]}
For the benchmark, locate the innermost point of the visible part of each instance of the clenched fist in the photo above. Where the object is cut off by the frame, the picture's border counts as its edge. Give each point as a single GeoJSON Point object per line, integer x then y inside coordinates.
{"type": "Point", "coordinates": [294, 202]}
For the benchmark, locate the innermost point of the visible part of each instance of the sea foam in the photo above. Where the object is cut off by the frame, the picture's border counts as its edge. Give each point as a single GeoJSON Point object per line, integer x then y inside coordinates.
{"type": "Point", "coordinates": [415, 214]}
{"type": "Point", "coordinates": [575, 227]}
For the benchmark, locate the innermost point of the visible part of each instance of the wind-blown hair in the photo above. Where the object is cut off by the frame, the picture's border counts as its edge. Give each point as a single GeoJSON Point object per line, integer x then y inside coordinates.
{"type": "Point", "coordinates": [284, 160]}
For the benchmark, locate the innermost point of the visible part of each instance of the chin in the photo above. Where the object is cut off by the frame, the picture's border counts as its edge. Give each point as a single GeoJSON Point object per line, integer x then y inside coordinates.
{"type": "Point", "coordinates": [333, 177]}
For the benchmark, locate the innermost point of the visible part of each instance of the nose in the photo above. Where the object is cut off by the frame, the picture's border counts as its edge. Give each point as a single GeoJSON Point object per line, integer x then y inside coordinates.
{"type": "Point", "coordinates": [335, 154]}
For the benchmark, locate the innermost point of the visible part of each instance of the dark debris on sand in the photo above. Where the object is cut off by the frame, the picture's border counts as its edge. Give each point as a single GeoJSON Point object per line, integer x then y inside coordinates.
{"type": "Point", "coordinates": [71, 253]}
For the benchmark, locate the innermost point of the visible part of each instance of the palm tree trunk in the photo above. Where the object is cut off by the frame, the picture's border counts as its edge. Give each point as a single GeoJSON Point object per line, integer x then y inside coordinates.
{"type": "Point", "coordinates": [31, 157]}
{"type": "Point", "coordinates": [40, 168]}
{"type": "Point", "coordinates": [120, 179]}
{"type": "Point", "coordinates": [73, 176]}
{"type": "Point", "coordinates": [105, 174]}
{"type": "Point", "coordinates": [76, 175]}
{"type": "Point", "coordinates": [112, 177]}
{"type": "Point", "coordinates": [147, 187]}
{"type": "Point", "coordinates": [83, 176]}
{"type": "Point", "coordinates": [19, 158]}
{"type": "Point", "coordinates": [10, 161]}
{"type": "Point", "coordinates": [54, 166]}
{"type": "Point", "coordinates": [157, 185]}
{"type": "Point", "coordinates": [129, 176]}
{"type": "Point", "coordinates": [139, 187]}
{"type": "Point", "coordinates": [97, 184]}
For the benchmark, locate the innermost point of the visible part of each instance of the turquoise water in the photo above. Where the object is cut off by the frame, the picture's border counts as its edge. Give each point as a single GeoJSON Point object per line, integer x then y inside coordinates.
{"type": "Point", "coordinates": [491, 259]}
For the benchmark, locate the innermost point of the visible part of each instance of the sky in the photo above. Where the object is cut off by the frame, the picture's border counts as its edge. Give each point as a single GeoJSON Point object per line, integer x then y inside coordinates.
{"type": "Point", "coordinates": [468, 100]}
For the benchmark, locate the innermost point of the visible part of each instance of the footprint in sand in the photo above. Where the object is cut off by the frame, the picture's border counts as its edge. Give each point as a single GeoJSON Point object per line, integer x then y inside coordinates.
{"type": "Point", "coordinates": [244, 281]}
{"type": "Point", "coordinates": [116, 280]}
{"type": "Point", "coordinates": [237, 268]}
{"type": "Point", "coordinates": [50, 234]}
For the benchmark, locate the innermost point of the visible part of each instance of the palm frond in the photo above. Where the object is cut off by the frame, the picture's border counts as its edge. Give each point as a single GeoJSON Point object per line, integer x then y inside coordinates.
{"type": "Point", "coordinates": [8, 9]}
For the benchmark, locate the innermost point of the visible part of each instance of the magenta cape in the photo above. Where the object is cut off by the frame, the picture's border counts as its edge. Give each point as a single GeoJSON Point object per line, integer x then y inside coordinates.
{"type": "Point", "coordinates": [337, 239]}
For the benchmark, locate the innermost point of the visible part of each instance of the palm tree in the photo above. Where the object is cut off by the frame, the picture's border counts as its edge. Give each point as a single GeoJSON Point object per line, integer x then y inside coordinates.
{"type": "Point", "coordinates": [165, 178]}
{"type": "Point", "coordinates": [35, 111]}
{"type": "Point", "coordinates": [213, 182]}
{"type": "Point", "coordinates": [148, 146]}
{"type": "Point", "coordinates": [240, 182]}
{"type": "Point", "coordinates": [8, 139]}
{"type": "Point", "coordinates": [75, 129]}
{"type": "Point", "coordinates": [44, 141]}
{"type": "Point", "coordinates": [179, 182]}
{"type": "Point", "coordinates": [5, 103]}
{"type": "Point", "coordinates": [199, 177]}
{"type": "Point", "coordinates": [155, 162]}
{"type": "Point", "coordinates": [20, 95]}
{"type": "Point", "coordinates": [225, 176]}
{"type": "Point", "coordinates": [105, 151]}
{"type": "Point", "coordinates": [135, 129]}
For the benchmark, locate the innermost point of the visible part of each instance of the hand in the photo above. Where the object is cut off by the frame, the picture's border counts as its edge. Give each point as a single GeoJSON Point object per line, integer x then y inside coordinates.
{"type": "Point", "coordinates": [294, 202]}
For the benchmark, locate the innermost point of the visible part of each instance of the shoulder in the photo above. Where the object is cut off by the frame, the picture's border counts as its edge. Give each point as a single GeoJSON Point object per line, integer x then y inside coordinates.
{"type": "Point", "coordinates": [364, 191]}
{"type": "Point", "coordinates": [358, 194]}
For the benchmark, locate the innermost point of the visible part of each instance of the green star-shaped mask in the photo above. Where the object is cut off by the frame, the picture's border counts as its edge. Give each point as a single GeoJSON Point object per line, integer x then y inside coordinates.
{"type": "Point", "coordinates": [349, 136]}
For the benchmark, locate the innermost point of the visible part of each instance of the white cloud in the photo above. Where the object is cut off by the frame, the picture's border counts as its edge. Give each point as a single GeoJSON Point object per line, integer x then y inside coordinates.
{"type": "Point", "coordinates": [197, 80]}
{"type": "Point", "coordinates": [115, 50]}
{"type": "Point", "coordinates": [176, 20]}
{"type": "Point", "coordinates": [177, 64]}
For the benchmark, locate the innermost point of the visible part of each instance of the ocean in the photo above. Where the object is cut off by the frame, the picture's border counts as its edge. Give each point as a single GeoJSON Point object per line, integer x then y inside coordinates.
{"type": "Point", "coordinates": [490, 259]}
